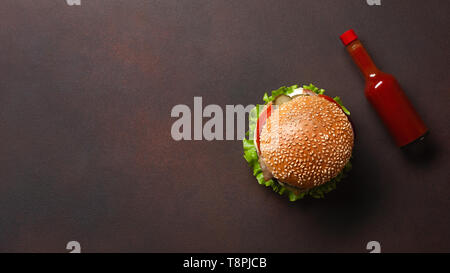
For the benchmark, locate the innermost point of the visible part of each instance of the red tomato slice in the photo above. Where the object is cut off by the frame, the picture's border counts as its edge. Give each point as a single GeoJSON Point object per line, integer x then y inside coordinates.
{"type": "Point", "coordinates": [262, 119]}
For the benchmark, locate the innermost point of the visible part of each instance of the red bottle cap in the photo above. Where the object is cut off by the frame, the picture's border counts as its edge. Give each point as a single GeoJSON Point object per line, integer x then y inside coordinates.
{"type": "Point", "coordinates": [348, 37]}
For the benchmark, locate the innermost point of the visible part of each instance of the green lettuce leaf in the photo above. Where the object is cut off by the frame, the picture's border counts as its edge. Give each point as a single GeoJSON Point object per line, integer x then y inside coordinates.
{"type": "Point", "coordinates": [315, 89]}
{"type": "Point", "coordinates": [251, 154]}
{"type": "Point", "coordinates": [280, 91]}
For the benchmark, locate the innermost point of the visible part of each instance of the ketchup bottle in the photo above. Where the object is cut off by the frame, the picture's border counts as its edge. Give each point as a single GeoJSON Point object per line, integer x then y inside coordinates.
{"type": "Point", "coordinates": [386, 95]}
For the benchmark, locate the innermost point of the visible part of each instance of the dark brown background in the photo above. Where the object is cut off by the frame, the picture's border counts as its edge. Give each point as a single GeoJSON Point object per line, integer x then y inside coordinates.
{"type": "Point", "coordinates": [86, 152]}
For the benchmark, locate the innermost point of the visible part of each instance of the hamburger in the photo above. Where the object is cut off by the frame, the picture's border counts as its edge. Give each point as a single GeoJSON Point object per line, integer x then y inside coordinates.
{"type": "Point", "coordinates": [300, 142]}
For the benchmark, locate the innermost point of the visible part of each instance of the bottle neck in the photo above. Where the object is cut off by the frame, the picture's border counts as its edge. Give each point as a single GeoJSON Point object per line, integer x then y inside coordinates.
{"type": "Point", "coordinates": [362, 59]}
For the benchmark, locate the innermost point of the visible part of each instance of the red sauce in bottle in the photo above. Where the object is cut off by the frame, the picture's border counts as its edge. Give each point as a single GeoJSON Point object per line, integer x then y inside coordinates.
{"type": "Point", "coordinates": [386, 95]}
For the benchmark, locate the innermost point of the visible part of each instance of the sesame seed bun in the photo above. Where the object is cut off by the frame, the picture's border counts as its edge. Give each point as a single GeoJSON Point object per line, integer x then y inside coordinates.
{"type": "Point", "coordinates": [306, 142]}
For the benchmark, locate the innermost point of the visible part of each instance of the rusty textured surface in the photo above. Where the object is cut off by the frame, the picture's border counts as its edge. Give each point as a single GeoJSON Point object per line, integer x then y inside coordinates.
{"type": "Point", "coordinates": [86, 152]}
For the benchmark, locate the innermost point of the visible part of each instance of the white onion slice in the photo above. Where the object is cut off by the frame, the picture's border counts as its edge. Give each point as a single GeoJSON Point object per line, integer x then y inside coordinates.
{"type": "Point", "coordinates": [301, 91]}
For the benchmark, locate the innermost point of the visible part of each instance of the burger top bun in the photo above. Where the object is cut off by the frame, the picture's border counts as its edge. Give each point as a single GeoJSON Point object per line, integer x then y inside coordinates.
{"type": "Point", "coordinates": [306, 142]}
